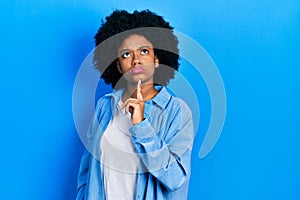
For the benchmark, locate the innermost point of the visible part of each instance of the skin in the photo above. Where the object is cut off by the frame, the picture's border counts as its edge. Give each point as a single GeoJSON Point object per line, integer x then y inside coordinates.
{"type": "Point", "coordinates": [137, 63]}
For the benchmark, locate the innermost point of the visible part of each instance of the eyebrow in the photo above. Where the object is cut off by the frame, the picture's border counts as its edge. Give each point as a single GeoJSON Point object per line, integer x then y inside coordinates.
{"type": "Point", "coordinates": [126, 50]}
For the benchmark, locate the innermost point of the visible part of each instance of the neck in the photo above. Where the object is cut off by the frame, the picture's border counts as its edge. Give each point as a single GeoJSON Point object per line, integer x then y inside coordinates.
{"type": "Point", "coordinates": [148, 92]}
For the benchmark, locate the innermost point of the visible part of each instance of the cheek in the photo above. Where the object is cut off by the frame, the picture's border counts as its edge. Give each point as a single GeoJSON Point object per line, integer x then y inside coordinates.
{"type": "Point", "coordinates": [125, 65]}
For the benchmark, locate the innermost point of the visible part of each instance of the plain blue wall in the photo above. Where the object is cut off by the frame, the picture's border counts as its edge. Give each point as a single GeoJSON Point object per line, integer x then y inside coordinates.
{"type": "Point", "coordinates": [255, 45]}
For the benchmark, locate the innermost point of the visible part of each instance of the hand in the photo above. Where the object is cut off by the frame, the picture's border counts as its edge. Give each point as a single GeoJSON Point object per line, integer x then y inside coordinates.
{"type": "Point", "coordinates": [135, 106]}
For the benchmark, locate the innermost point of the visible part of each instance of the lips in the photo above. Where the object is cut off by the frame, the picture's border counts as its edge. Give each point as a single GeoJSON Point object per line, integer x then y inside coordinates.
{"type": "Point", "coordinates": [137, 70]}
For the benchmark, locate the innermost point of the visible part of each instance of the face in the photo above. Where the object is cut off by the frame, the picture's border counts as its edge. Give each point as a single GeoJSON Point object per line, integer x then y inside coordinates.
{"type": "Point", "coordinates": [136, 59]}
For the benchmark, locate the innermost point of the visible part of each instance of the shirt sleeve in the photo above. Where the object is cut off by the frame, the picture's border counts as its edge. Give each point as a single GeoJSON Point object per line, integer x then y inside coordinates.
{"type": "Point", "coordinates": [82, 175]}
{"type": "Point", "coordinates": [91, 146]}
{"type": "Point", "coordinates": [168, 161]}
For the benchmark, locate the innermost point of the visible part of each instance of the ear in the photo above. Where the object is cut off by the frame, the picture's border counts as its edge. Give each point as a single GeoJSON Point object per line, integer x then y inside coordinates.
{"type": "Point", "coordinates": [156, 62]}
{"type": "Point", "coordinates": [118, 67]}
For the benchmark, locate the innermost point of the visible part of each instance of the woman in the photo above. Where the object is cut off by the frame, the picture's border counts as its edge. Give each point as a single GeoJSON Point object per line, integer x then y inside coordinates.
{"type": "Point", "coordinates": [141, 137]}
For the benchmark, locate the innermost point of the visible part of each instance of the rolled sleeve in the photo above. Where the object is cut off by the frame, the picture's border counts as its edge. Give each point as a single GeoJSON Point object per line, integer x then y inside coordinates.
{"type": "Point", "coordinates": [142, 130]}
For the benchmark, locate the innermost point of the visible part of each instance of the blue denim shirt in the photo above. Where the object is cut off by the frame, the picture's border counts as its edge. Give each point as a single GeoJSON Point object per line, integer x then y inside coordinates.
{"type": "Point", "coordinates": [163, 141]}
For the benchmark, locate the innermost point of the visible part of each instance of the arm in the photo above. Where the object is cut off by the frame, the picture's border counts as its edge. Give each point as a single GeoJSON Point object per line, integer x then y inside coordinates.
{"type": "Point", "coordinates": [89, 153]}
{"type": "Point", "coordinates": [82, 175]}
{"type": "Point", "coordinates": [167, 160]}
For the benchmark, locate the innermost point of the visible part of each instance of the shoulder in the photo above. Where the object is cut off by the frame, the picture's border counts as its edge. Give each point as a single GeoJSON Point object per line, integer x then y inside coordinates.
{"type": "Point", "coordinates": [170, 103]}
{"type": "Point", "coordinates": [102, 103]}
{"type": "Point", "coordinates": [104, 100]}
{"type": "Point", "coordinates": [103, 106]}
{"type": "Point", "coordinates": [107, 98]}
{"type": "Point", "coordinates": [179, 105]}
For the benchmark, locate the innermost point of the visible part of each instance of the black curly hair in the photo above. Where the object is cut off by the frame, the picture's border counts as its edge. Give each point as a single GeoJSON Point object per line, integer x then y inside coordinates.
{"type": "Point", "coordinates": [123, 24]}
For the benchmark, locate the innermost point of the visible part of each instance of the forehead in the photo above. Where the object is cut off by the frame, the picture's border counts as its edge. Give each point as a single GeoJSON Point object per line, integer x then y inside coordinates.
{"type": "Point", "coordinates": [134, 42]}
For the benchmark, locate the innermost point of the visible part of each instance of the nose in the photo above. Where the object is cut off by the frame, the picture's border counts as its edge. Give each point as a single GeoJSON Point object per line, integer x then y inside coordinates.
{"type": "Point", "coordinates": [135, 60]}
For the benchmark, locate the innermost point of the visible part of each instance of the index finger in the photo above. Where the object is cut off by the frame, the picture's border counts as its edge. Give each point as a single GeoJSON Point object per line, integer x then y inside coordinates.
{"type": "Point", "coordinates": [139, 94]}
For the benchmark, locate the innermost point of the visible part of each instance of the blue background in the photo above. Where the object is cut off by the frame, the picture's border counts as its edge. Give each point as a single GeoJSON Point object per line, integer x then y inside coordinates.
{"type": "Point", "coordinates": [255, 45]}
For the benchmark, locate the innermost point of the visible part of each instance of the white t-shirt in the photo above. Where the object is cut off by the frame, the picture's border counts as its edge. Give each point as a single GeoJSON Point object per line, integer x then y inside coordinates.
{"type": "Point", "coordinates": [118, 158]}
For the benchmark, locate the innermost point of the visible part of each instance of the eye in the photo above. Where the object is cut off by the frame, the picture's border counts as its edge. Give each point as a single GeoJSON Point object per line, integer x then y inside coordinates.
{"type": "Point", "coordinates": [144, 51]}
{"type": "Point", "coordinates": [125, 54]}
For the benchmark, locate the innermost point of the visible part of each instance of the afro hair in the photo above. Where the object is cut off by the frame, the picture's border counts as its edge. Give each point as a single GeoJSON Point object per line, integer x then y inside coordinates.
{"type": "Point", "coordinates": [123, 24]}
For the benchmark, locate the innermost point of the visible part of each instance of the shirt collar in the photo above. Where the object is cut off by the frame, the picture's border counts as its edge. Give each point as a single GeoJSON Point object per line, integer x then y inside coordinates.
{"type": "Point", "coordinates": [161, 98]}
